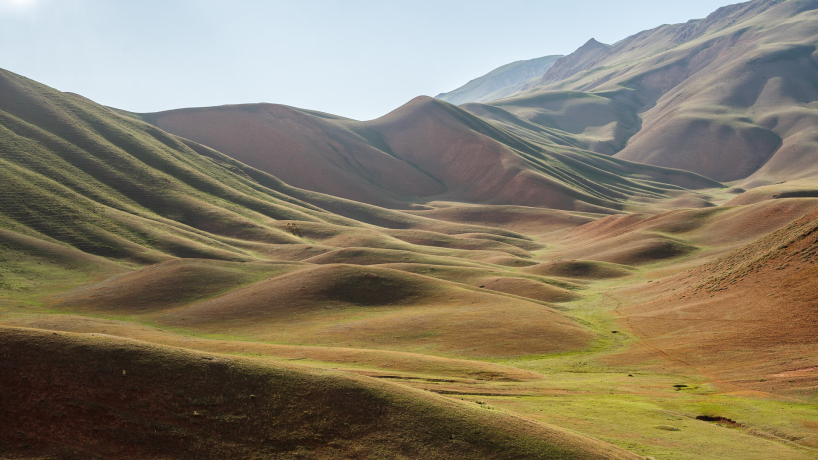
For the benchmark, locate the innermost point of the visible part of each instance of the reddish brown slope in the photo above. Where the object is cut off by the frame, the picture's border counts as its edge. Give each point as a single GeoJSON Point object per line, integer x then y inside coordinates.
{"type": "Point", "coordinates": [426, 150]}
{"type": "Point", "coordinates": [303, 149]}
{"type": "Point", "coordinates": [423, 152]}
{"type": "Point", "coordinates": [748, 316]}
{"type": "Point", "coordinates": [474, 167]}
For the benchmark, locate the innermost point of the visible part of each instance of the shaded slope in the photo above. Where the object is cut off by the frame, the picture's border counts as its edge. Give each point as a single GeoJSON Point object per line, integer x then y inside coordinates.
{"type": "Point", "coordinates": [152, 401]}
{"type": "Point", "coordinates": [500, 82]}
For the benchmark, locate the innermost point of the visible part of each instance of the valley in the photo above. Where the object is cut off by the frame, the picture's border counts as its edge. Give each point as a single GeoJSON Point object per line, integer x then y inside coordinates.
{"type": "Point", "coordinates": [609, 261]}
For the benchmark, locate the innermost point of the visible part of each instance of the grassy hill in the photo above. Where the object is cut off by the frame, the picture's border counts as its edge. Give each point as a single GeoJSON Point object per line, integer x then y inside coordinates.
{"type": "Point", "coordinates": [105, 216]}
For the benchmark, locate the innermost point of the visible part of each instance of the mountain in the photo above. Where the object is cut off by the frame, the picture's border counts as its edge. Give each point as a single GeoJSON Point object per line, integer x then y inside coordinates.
{"type": "Point", "coordinates": [500, 82]}
{"type": "Point", "coordinates": [730, 97]}
{"type": "Point", "coordinates": [425, 151]}
{"type": "Point", "coordinates": [584, 57]}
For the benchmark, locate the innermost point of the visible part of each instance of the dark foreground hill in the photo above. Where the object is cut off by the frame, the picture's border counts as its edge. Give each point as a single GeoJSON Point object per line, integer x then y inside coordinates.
{"type": "Point", "coordinates": [74, 396]}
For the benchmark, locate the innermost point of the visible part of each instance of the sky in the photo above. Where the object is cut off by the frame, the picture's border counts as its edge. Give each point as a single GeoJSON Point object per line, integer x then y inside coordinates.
{"type": "Point", "coordinates": [355, 58]}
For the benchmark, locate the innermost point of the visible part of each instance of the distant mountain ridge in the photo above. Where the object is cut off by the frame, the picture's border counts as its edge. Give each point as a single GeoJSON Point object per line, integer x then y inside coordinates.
{"type": "Point", "coordinates": [574, 62]}
{"type": "Point", "coordinates": [731, 96]}
{"type": "Point", "coordinates": [500, 82]}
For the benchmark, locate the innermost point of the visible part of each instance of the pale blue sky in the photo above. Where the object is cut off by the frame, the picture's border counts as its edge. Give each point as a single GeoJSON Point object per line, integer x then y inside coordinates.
{"type": "Point", "coordinates": [359, 59]}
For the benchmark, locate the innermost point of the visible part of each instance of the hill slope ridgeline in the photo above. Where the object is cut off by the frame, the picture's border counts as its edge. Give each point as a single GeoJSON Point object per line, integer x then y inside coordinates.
{"type": "Point", "coordinates": [424, 151]}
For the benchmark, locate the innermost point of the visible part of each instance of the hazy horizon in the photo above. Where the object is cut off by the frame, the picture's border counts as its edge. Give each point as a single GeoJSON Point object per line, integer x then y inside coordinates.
{"type": "Point", "coordinates": [355, 59]}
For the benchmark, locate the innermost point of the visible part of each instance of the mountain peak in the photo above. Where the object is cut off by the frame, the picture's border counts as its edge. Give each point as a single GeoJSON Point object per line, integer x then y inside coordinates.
{"type": "Point", "coordinates": [575, 62]}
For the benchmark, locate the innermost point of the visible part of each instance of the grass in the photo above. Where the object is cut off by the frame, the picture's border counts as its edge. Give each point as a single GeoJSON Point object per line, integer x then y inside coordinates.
{"type": "Point", "coordinates": [626, 405]}
{"type": "Point", "coordinates": [379, 335]}
{"type": "Point", "coordinates": [635, 405]}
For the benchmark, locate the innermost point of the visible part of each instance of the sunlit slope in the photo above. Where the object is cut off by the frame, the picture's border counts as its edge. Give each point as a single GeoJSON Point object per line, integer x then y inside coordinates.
{"type": "Point", "coordinates": [748, 316]}
{"type": "Point", "coordinates": [78, 173]}
{"type": "Point", "coordinates": [153, 401]}
{"type": "Point", "coordinates": [220, 241]}
{"type": "Point", "coordinates": [730, 97]}
{"type": "Point", "coordinates": [426, 150]}
{"type": "Point", "coordinates": [640, 239]}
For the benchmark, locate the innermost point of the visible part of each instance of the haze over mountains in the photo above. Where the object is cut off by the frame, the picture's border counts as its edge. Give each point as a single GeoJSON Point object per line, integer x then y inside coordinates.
{"type": "Point", "coordinates": [500, 82]}
{"type": "Point", "coordinates": [616, 261]}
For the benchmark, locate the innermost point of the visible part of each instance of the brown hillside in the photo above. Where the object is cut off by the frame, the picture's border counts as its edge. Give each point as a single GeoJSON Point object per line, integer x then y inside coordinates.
{"type": "Point", "coordinates": [303, 149]}
{"type": "Point", "coordinates": [127, 399]}
{"type": "Point", "coordinates": [748, 316]}
{"type": "Point", "coordinates": [424, 151]}
{"type": "Point", "coordinates": [165, 285]}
